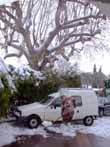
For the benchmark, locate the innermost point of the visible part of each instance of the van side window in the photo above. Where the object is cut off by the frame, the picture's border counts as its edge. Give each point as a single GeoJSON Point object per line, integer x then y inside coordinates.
{"type": "Point", "coordinates": [77, 101]}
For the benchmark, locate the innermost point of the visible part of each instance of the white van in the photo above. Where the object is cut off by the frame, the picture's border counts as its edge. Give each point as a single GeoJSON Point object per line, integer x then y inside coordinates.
{"type": "Point", "coordinates": [86, 107]}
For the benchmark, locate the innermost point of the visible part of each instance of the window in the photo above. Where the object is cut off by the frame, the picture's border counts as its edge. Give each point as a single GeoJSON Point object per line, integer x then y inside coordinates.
{"type": "Point", "coordinates": [78, 101]}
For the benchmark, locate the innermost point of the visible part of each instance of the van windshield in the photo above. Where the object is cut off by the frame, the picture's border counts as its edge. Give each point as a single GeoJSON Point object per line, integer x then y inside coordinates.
{"type": "Point", "coordinates": [47, 101]}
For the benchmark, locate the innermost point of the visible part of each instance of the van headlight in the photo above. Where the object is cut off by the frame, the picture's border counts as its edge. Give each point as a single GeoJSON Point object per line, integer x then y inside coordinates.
{"type": "Point", "coordinates": [18, 113]}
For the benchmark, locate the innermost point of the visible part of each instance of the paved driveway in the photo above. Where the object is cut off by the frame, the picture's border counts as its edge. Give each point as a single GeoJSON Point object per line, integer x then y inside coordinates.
{"type": "Point", "coordinates": [81, 140]}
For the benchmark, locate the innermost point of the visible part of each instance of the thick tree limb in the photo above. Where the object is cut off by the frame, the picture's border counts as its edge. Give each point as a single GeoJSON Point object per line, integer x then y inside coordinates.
{"type": "Point", "coordinates": [13, 55]}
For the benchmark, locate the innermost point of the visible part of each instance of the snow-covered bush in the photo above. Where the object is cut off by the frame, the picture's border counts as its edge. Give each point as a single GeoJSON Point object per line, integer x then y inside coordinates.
{"type": "Point", "coordinates": [27, 84]}
{"type": "Point", "coordinates": [34, 86]}
{"type": "Point", "coordinates": [26, 89]}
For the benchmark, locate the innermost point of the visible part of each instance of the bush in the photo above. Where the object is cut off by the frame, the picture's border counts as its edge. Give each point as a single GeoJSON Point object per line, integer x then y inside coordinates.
{"type": "Point", "coordinates": [53, 82]}
{"type": "Point", "coordinates": [4, 101]}
{"type": "Point", "coordinates": [5, 94]}
{"type": "Point", "coordinates": [72, 81]}
{"type": "Point", "coordinates": [30, 89]}
{"type": "Point", "coordinates": [26, 89]}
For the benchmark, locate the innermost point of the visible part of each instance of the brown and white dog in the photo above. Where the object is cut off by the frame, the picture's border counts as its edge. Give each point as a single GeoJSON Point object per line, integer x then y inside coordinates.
{"type": "Point", "coordinates": [67, 108]}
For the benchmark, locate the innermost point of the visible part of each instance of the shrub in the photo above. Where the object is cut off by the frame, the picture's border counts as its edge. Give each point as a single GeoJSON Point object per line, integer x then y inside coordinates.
{"type": "Point", "coordinates": [5, 94]}
{"type": "Point", "coordinates": [26, 89]}
{"type": "Point", "coordinates": [30, 89]}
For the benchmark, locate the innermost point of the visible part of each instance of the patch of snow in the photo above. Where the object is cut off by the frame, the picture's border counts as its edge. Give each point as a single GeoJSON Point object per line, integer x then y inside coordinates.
{"type": "Point", "coordinates": [66, 130]}
{"type": "Point", "coordinates": [24, 70]}
{"type": "Point", "coordinates": [38, 74]}
{"type": "Point", "coordinates": [101, 127]}
{"type": "Point", "coordinates": [47, 123]}
{"type": "Point", "coordinates": [8, 133]}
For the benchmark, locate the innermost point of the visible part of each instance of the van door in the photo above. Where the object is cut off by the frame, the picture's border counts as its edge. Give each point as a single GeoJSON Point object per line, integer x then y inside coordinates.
{"type": "Point", "coordinates": [78, 111]}
{"type": "Point", "coordinates": [53, 111]}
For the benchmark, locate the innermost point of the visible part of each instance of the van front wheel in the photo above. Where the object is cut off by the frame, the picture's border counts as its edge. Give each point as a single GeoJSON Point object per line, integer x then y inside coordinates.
{"type": "Point", "coordinates": [33, 121]}
{"type": "Point", "coordinates": [88, 121]}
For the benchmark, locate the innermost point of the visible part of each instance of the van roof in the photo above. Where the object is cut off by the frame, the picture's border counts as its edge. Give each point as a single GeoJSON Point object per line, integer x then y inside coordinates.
{"type": "Point", "coordinates": [82, 90]}
{"type": "Point", "coordinates": [87, 89]}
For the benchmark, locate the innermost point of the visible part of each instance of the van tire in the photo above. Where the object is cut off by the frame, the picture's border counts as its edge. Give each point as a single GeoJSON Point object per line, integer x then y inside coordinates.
{"type": "Point", "coordinates": [88, 121]}
{"type": "Point", "coordinates": [33, 121]}
{"type": "Point", "coordinates": [101, 112]}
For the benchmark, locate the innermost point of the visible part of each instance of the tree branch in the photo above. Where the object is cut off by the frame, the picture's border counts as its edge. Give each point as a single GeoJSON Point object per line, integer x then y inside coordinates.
{"type": "Point", "coordinates": [13, 55]}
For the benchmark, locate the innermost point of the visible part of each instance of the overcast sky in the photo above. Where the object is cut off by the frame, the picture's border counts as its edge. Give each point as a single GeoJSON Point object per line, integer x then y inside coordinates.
{"type": "Point", "coordinates": [6, 1]}
{"type": "Point", "coordinates": [86, 64]}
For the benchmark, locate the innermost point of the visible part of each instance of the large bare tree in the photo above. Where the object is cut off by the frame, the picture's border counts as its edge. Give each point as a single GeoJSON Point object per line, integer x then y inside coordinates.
{"type": "Point", "coordinates": [43, 29]}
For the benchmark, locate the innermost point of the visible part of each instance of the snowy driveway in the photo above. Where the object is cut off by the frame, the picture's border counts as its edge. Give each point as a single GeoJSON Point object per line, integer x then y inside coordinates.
{"type": "Point", "coordinates": [101, 127]}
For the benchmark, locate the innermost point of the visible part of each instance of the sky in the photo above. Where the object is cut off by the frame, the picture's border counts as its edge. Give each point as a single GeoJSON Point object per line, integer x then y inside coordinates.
{"type": "Point", "coordinates": [86, 64]}
{"type": "Point", "coordinates": [6, 1]}
{"type": "Point", "coordinates": [102, 56]}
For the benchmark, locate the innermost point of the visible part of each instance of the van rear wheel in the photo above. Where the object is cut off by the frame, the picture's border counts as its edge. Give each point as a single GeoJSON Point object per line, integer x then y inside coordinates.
{"type": "Point", "coordinates": [88, 121]}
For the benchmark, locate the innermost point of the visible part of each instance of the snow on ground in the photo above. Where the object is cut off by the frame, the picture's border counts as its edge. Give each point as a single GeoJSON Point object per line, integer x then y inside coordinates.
{"type": "Point", "coordinates": [8, 133]}
{"type": "Point", "coordinates": [101, 127]}
{"type": "Point", "coordinates": [66, 130]}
